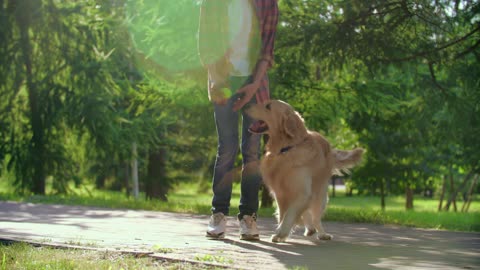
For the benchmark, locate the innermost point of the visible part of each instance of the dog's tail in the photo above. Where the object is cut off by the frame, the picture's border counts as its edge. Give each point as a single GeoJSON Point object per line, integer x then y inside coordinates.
{"type": "Point", "coordinates": [345, 160]}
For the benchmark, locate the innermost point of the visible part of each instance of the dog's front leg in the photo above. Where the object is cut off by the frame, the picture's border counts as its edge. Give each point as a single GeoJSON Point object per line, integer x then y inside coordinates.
{"type": "Point", "coordinates": [290, 218]}
{"type": "Point", "coordinates": [295, 207]}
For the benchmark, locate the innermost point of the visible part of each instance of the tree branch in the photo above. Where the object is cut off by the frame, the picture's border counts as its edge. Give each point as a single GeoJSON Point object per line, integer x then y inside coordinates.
{"type": "Point", "coordinates": [53, 73]}
{"type": "Point", "coordinates": [434, 79]}
{"type": "Point", "coordinates": [468, 50]}
{"type": "Point", "coordinates": [425, 53]}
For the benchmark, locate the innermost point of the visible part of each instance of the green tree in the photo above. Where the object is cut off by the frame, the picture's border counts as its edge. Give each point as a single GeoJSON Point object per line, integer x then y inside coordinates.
{"type": "Point", "coordinates": [393, 69]}
{"type": "Point", "coordinates": [64, 82]}
{"type": "Point", "coordinates": [39, 85]}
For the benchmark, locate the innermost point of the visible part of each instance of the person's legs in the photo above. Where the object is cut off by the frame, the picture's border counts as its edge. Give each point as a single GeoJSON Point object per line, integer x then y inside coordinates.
{"type": "Point", "coordinates": [227, 129]}
{"type": "Point", "coordinates": [251, 178]}
{"type": "Point", "coordinates": [226, 121]}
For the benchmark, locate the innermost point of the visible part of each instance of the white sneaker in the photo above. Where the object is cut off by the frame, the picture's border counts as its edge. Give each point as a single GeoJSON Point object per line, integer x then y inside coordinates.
{"type": "Point", "coordinates": [248, 228]}
{"type": "Point", "coordinates": [217, 225]}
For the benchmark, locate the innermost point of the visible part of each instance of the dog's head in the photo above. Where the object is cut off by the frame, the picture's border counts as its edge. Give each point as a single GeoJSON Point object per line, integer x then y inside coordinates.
{"type": "Point", "coordinates": [277, 118]}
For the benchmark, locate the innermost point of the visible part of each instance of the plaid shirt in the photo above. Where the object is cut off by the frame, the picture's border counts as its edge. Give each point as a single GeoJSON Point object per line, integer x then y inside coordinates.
{"type": "Point", "coordinates": [213, 38]}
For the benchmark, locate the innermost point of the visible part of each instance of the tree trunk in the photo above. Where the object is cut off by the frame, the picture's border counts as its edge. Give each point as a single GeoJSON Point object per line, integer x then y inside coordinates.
{"type": "Point", "coordinates": [408, 197]}
{"type": "Point", "coordinates": [466, 204]}
{"type": "Point", "coordinates": [334, 179]}
{"type": "Point", "coordinates": [442, 194]}
{"type": "Point", "coordinates": [126, 178]}
{"type": "Point", "coordinates": [100, 180]}
{"type": "Point", "coordinates": [452, 190]}
{"type": "Point", "coordinates": [37, 141]}
{"type": "Point", "coordinates": [135, 170]}
{"type": "Point", "coordinates": [348, 190]}
{"type": "Point", "coordinates": [156, 186]}
{"type": "Point", "coordinates": [382, 194]}
{"type": "Point", "coordinates": [454, 193]}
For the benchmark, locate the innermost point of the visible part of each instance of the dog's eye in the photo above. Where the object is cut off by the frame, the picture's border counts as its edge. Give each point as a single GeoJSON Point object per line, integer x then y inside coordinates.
{"type": "Point", "coordinates": [268, 106]}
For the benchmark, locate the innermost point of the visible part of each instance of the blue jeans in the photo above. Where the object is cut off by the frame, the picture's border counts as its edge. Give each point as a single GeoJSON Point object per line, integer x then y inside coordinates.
{"type": "Point", "coordinates": [226, 121]}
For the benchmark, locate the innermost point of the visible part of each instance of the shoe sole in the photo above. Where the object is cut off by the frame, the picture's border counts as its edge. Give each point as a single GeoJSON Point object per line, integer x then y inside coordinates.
{"type": "Point", "coordinates": [215, 236]}
{"type": "Point", "coordinates": [254, 237]}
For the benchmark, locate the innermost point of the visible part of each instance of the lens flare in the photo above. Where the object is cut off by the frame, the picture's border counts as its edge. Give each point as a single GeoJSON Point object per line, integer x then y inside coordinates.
{"type": "Point", "coordinates": [165, 32]}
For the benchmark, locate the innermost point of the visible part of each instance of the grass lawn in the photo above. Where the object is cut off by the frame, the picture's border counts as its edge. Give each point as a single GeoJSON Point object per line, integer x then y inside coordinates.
{"type": "Point", "coordinates": [185, 198]}
{"type": "Point", "coordinates": [26, 257]}
{"type": "Point", "coordinates": [424, 215]}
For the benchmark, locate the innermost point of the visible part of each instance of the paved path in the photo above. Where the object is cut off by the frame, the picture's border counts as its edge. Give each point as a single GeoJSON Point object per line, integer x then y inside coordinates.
{"type": "Point", "coordinates": [181, 237]}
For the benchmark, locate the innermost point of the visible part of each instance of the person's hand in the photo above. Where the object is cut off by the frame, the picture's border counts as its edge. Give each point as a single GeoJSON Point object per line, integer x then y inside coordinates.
{"type": "Point", "coordinates": [245, 93]}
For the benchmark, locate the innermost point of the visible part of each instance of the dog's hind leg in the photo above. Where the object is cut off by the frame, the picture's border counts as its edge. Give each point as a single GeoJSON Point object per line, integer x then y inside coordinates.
{"type": "Point", "coordinates": [296, 206]}
{"type": "Point", "coordinates": [318, 210]}
{"type": "Point", "coordinates": [307, 218]}
{"type": "Point", "coordinates": [281, 207]}
{"type": "Point", "coordinates": [321, 234]}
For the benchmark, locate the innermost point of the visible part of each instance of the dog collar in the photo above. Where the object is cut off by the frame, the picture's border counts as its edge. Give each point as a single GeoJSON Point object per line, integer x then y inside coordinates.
{"type": "Point", "coordinates": [285, 149]}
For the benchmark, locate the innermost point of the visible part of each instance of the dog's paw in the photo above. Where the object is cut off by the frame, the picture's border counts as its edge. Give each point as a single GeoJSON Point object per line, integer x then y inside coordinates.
{"type": "Point", "coordinates": [277, 239]}
{"type": "Point", "coordinates": [309, 232]}
{"type": "Point", "coordinates": [325, 236]}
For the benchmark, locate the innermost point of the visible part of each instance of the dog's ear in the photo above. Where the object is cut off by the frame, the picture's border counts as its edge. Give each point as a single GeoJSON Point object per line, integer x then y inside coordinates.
{"type": "Point", "coordinates": [293, 124]}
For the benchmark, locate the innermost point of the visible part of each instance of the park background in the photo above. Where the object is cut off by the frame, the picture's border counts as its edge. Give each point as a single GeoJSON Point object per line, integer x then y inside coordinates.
{"type": "Point", "coordinates": [96, 93]}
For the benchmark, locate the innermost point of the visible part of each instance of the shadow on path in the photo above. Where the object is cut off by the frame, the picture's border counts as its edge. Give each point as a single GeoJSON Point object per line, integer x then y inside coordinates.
{"type": "Point", "coordinates": [366, 246]}
{"type": "Point", "coordinates": [355, 246]}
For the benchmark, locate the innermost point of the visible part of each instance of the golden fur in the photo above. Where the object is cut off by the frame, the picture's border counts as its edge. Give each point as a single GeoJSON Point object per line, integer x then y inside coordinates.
{"type": "Point", "coordinates": [297, 167]}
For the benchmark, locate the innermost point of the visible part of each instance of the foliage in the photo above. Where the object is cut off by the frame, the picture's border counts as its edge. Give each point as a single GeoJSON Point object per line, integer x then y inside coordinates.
{"type": "Point", "coordinates": [75, 100]}
{"type": "Point", "coordinates": [46, 94]}
{"type": "Point", "coordinates": [396, 71]}
{"type": "Point", "coordinates": [158, 28]}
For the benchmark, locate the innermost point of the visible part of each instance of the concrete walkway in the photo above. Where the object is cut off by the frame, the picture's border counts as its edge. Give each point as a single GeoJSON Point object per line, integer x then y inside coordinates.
{"type": "Point", "coordinates": [181, 237]}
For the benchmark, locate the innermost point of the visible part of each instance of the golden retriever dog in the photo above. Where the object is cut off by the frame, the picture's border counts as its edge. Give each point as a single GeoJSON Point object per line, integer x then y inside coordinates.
{"type": "Point", "coordinates": [297, 166]}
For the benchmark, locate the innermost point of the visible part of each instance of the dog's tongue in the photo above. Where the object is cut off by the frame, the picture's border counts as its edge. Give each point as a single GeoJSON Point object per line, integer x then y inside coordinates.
{"type": "Point", "coordinates": [258, 127]}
